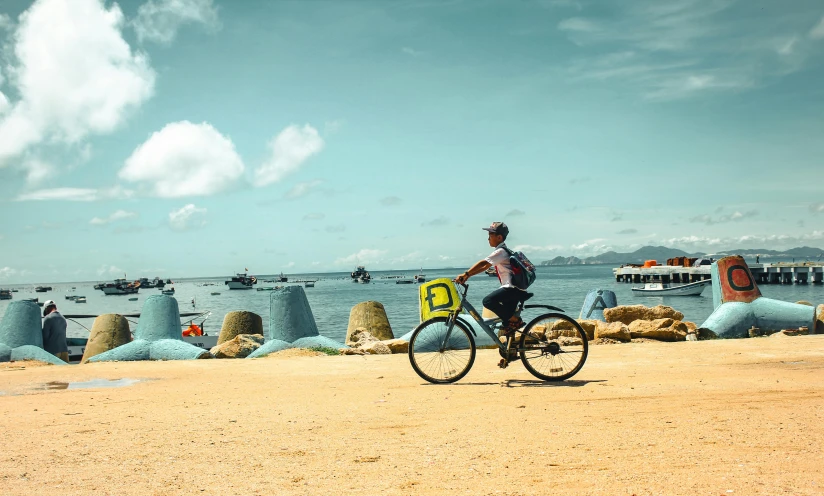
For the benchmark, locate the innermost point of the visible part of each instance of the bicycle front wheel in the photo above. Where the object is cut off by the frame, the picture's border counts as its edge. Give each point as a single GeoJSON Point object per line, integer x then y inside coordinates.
{"type": "Point", "coordinates": [437, 359]}
{"type": "Point", "coordinates": [553, 347]}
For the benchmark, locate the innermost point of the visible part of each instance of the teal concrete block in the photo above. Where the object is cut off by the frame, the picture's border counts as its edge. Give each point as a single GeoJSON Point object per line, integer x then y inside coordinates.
{"type": "Point", "coordinates": [135, 351]}
{"type": "Point", "coordinates": [159, 319]}
{"type": "Point", "coordinates": [22, 325]}
{"type": "Point", "coordinates": [158, 336]}
{"type": "Point", "coordinates": [479, 335]}
{"type": "Point", "coordinates": [31, 352]}
{"type": "Point", "coordinates": [740, 306]}
{"type": "Point", "coordinates": [172, 349]}
{"type": "Point", "coordinates": [290, 317]}
{"type": "Point", "coordinates": [317, 341]}
{"type": "Point", "coordinates": [5, 353]}
{"type": "Point", "coordinates": [268, 347]}
{"type": "Point", "coordinates": [596, 301]}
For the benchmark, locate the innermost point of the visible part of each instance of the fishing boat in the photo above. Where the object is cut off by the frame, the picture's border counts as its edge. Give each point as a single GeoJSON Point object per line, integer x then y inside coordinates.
{"type": "Point", "coordinates": [666, 289]}
{"type": "Point", "coordinates": [309, 284]}
{"type": "Point", "coordinates": [80, 299]}
{"type": "Point", "coordinates": [145, 283]}
{"type": "Point", "coordinates": [119, 287]}
{"type": "Point", "coordinates": [71, 297]}
{"type": "Point", "coordinates": [358, 273]}
{"type": "Point", "coordinates": [281, 278]}
{"type": "Point", "coordinates": [205, 341]}
{"type": "Point", "coordinates": [241, 281]}
{"type": "Point", "coordinates": [420, 278]}
{"type": "Point", "coordinates": [168, 292]}
{"type": "Point", "coordinates": [5, 294]}
{"type": "Point", "coordinates": [42, 289]}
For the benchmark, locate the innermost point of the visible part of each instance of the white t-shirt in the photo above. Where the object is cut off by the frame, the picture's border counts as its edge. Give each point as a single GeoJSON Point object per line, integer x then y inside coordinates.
{"type": "Point", "coordinates": [500, 260]}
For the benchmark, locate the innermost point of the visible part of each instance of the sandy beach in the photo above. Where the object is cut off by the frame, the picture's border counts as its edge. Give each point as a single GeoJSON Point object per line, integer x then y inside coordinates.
{"type": "Point", "coordinates": [710, 417]}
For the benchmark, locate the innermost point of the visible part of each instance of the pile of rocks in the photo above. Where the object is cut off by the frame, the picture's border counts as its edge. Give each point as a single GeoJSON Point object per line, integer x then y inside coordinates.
{"type": "Point", "coordinates": [627, 322]}
{"type": "Point", "coordinates": [362, 342]}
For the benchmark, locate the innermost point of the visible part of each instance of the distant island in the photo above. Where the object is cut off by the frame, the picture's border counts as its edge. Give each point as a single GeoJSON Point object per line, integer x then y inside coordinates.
{"type": "Point", "coordinates": [662, 253]}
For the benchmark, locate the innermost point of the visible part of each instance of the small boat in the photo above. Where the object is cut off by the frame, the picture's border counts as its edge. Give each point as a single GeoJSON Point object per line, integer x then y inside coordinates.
{"type": "Point", "coordinates": [309, 284]}
{"type": "Point", "coordinates": [281, 278]}
{"type": "Point", "coordinates": [80, 299]}
{"type": "Point", "coordinates": [71, 297]}
{"type": "Point", "coordinates": [168, 292]}
{"type": "Point", "coordinates": [420, 278]}
{"type": "Point", "coordinates": [215, 293]}
{"type": "Point", "coordinates": [358, 273]}
{"type": "Point", "coordinates": [13, 290]}
{"type": "Point", "coordinates": [268, 288]}
{"type": "Point", "coordinates": [5, 294]}
{"type": "Point", "coordinates": [145, 283]}
{"type": "Point", "coordinates": [118, 287]}
{"type": "Point", "coordinates": [42, 289]}
{"type": "Point", "coordinates": [241, 281]}
{"type": "Point", "coordinates": [132, 299]}
{"type": "Point", "coordinates": [404, 281]}
{"type": "Point", "coordinates": [666, 289]}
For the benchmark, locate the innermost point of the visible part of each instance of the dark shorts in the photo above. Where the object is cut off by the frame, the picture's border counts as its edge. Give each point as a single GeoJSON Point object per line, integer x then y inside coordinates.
{"type": "Point", "coordinates": [503, 302]}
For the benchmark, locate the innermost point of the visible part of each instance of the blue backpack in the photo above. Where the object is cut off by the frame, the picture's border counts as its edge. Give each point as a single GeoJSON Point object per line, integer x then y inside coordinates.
{"type": "Point", "coordinates": [523, 271]}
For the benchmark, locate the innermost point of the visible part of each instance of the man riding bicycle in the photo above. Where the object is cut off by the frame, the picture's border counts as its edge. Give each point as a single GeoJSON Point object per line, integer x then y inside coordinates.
{"type": "Point", "coordinates": [505, 299]}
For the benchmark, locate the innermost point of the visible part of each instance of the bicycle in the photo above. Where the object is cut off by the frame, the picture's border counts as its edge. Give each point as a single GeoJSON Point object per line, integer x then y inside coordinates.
{"type": "Point", "coordinates": [552, 346]}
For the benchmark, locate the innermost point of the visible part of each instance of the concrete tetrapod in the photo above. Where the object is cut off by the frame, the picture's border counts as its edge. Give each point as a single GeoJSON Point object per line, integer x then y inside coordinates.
{"type": "Point", "coordinates": [158, 336]}
{"type": "Point", "coordinates": [596, 301]}
{"type": "Point", "coordinates": [372, 316]}
{"type": "Point", "coordinates": [108, 332]}
{"type": "Point", "coordinates": [740, 306]}
{"type": "Point", "coordinates": [239, 322]}
{"type": "Point", "coordinates": [290, 317]}
{"type": "Point", "coordinates": [21, 334]}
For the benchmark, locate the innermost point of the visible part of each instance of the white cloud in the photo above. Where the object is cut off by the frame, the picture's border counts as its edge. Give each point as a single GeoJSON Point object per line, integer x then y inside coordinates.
{"type": "Point", "coordinates": [679, 49]}
{"type": "Point", "coordinates": [76, 194]}
{"type": "Point", "coordinates": [817, 32]}
{"type": "Point", "coordinates": [7, 272]}
{"type": "Point", "coordinates": [314, 216]}
{"type": "Point", "coordinates": [110, 270]}
{"type": "Point", "coordinates": [66, 194]}
{"type": "Point", "coordinates": [302, 189]}
{"type": "Point", "coordinates": [817, 208]}
{"type": "Point", "coordinates": [364, 256]}
{"type": "Point", "coordinates": [535, 248]}
{"type": "Point", "coordinates": [187, 217]}
{"type": "Point", "coordinates": [184, 159]}
{"type": "Point", "coordinates": [411, 52]}
{"type": "Point", "coordinates": [115, 216]}
{"type": "Point", "coordinates": [734, 217]}
{"type": "Point", "coordinates": [515, 213]}
{"type": "Point", "coordinates": [74, 73]}
{"type": "Point", "coordinates": [289, 150]}
{"type": "Point", "coordinates": [38, 170]}
{"type": "Point", "coordinates": [159, 20]}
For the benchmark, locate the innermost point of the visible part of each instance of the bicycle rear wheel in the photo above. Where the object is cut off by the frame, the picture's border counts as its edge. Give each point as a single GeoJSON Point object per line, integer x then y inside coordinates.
{"type": "Point", "coordinates": [436, 359]}
{"type": "Point", "coordinates": [553, 347]}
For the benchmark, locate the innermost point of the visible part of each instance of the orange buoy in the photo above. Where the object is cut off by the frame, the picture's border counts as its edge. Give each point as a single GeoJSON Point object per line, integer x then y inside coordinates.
{"type": "Point", "coordinates": [193, 330]}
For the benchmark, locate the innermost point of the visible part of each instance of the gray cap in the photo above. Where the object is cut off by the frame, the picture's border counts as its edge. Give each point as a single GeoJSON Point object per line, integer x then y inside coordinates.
{"type": "Point", "coordinates": [497, 228]}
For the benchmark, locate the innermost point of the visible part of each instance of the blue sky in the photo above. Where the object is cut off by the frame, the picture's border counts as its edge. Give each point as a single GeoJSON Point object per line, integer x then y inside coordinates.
{"type": "Point", "coordinates": [199, 137]}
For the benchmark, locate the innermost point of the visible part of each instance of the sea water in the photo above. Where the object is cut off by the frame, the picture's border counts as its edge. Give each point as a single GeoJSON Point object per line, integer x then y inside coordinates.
{"type": "Point", "coordinates": [334, 295]}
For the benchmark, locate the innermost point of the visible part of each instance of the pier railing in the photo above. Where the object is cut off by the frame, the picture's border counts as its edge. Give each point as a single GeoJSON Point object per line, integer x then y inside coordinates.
{"type": "Point", "coordinates": [764, 273]}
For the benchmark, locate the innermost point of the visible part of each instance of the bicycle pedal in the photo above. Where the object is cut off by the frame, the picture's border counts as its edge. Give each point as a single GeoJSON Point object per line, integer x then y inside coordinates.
{"type": "Point", "coordinates": [503, 364]}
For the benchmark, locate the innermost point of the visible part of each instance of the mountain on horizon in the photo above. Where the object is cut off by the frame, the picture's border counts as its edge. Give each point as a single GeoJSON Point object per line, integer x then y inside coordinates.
{"type": "Point", "coordinates": [662, 253]}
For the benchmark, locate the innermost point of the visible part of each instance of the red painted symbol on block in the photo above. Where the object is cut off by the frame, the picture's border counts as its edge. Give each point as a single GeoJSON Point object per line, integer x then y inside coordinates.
{"type": "Point", "coordinates": [737, 283]}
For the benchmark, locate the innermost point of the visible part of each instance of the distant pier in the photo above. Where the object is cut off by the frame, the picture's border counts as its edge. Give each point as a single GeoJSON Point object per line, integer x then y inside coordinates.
{"type": "Point", "coordinates": [764, 273]}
